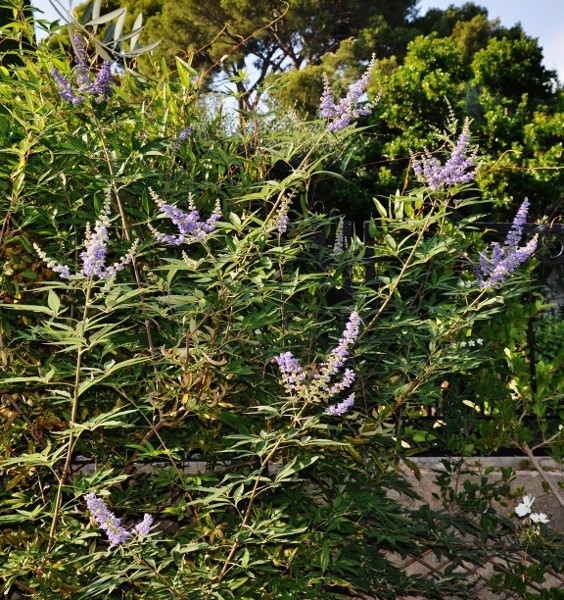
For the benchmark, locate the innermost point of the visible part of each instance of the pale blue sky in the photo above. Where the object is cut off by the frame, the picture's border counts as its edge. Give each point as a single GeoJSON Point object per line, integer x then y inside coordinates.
{"type": "Point", "coordinates": [543, 19]}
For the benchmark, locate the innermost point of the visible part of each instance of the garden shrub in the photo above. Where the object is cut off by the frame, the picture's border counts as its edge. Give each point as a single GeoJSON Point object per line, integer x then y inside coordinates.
{"type": "Point", "coordinates": [201, 398]}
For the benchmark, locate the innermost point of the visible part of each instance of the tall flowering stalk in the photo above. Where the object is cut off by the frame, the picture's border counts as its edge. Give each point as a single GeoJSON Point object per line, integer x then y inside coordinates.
{"type": "Point", "coordinates": [494, 269]}
{"type": "Point", "coordinates": [108, 522]}
{"type": "Point", "coordinates": [281, 218]}
{"type": "Point", "coordinates": [82, 86]}
{"type": "Point", "coordinates": [459, 168]}
{"type": "Point", "coordinates": [318, 387]}
{"type": "Point", "coordinates": [339, 246]}
{"type": "Point", "coordinates": [190, 226]}
{"type": "Point", "coordinates": [94, 254]}
{"type": "Point", "coordinates": [348, 108]}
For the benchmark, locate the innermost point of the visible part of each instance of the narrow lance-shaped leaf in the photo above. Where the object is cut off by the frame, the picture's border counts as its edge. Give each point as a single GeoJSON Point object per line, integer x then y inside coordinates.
{"type": "Point", "coordinates": [136, 30]}
{"type": "Point", "coordinates": [85, 385]}
{"type": "Point", "coordinates": [114, 14]}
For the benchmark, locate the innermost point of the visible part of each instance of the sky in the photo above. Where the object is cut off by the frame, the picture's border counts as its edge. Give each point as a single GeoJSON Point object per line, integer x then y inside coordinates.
{"type": "Point", "coordinates": [543, 19]}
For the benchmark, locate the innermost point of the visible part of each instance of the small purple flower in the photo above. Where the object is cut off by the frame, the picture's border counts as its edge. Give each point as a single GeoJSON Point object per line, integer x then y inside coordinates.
{"type": "Point", "coordinates": [459, 168]}
{"type": "Point", "coordinates": [190, 226]}
{"type": "Point", "coordinates": [318, 387]}
{"type": "Point", "coordinates": [94, 254]}
{"type": "Point", "coordinates": [348, 109]}
{"type": "Point", "coordinates": [494, 270]}
{"type": "Point", "coordinates": [106, 520]}
{"type": "Point", "coordinates": [143, 527]}
{"type": "Point", "coordinates": [182, 137]}
{"type": "Point", "coordinates": [282, 218]}
{"type": "Point", "coordinates": [341, 408]}
{"type": "Point", "coordinates": [100, 89]}
{"type": "Point", "coordinates": [292, 373]}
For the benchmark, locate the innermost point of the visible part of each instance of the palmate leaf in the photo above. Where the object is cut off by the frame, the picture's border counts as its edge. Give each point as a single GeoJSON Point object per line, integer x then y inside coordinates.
{"type": "Point", "coordinates": [108, 420]}
{"type": "Point", "coordinates": [85, 385]}
{"type": "Point", "coordinates": [45, 458]}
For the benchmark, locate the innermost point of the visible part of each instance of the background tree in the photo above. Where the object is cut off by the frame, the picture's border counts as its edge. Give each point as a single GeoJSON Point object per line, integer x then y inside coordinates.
{"type": "Point", "coordinates": [10, 11]}
{"type": "Point", "coordinates": [271, 35]}
{"type": "Point", "coordinates": [455, 61]}
{"type": "Point", "coordinates": [460, 64]}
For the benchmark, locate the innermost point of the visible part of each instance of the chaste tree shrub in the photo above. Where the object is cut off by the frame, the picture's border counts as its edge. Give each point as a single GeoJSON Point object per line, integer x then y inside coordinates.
{"type": "Point", "coordinates": [207, 388]}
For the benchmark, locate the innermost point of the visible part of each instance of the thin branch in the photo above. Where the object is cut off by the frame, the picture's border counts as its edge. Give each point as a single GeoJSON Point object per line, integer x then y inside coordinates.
{"type": "Point", "coordinates": [535, 462]}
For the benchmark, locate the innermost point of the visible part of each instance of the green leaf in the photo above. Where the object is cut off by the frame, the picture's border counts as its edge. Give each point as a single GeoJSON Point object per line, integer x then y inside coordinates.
{"type": "Point", "coordinates": [136, 30]}
{"type": "Point", "coordinates": [117, 13]}
{"type": "Point", "coordinates": [86, 385]}
{"type": "Point", "coordinates": [293, 467]}
{"type": "Point", "coordinates": [106, 420]}
{"type": "Point", "coordinates": [380, 208]}
{"type": "Point", "coordinates": [53, 302]}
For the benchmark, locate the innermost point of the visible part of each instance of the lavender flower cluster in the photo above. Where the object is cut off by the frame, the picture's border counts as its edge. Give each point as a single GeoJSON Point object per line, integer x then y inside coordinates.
{"type": "Point", "coordinates": [94, 254]}
{"type": "Point", "coordinates": [190, 226]}
{"type": "Point", "coordinates": [282, 218]}
{"type": "Point", "coordinates": [459, 168]}
{"type": "Point", "coordinates": [83, 87]}
{"type": "Point", "coordinates": [182, 137]}
{"type": "Point", "coordinates": [348, 109]}
{"type": "Point", "coordinates": [297, 383]}
{"type": "Point", "coordinates": [494, 270]}
{"type": "Point", "coordinates": [108, 522]}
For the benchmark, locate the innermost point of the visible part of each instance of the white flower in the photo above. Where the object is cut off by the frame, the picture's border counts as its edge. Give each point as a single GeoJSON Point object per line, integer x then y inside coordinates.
{"type": "Point", "coordinates": [479, 341]}
{"type": "Point", "coordinates": [538, 518]}
{"type": "Point", "coordinates": [523, 509]}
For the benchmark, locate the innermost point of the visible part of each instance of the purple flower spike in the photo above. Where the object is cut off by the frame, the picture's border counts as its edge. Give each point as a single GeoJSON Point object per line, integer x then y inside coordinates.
{"type": "Point", "coordinates": [281, 217]}
{"type": "Point", "coordinates": [66, 90]}
{"type": "Point", "coordinates": [459, 168]}
{"type": "Point", "coordinates": [494, 270]}
{"type": "Point", "coordinates": [182, 137]}
{"type": "Point", "coordinates": [94, 254]}
{"type": "Point", "coordinates": [292, 373]}
{"type": "Point", "coordinates": [106, 520]}
{"type": "Point", "coordinates": [341, 408]}
{"type": "Point", "coordinates": [142, 528]}
{"type": "Point", "coordinates": [317, 387]}
{"type": "Point", "coordinates": [81, 61]}
{"type": "Point", "coordinates": [340, 354]}
{"type": "Point", "coordinates": [190, 226]}
{"type": "Point", "coordinates": [100, 89]}
{"type": "Point", "coordinates": [348, 109]}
